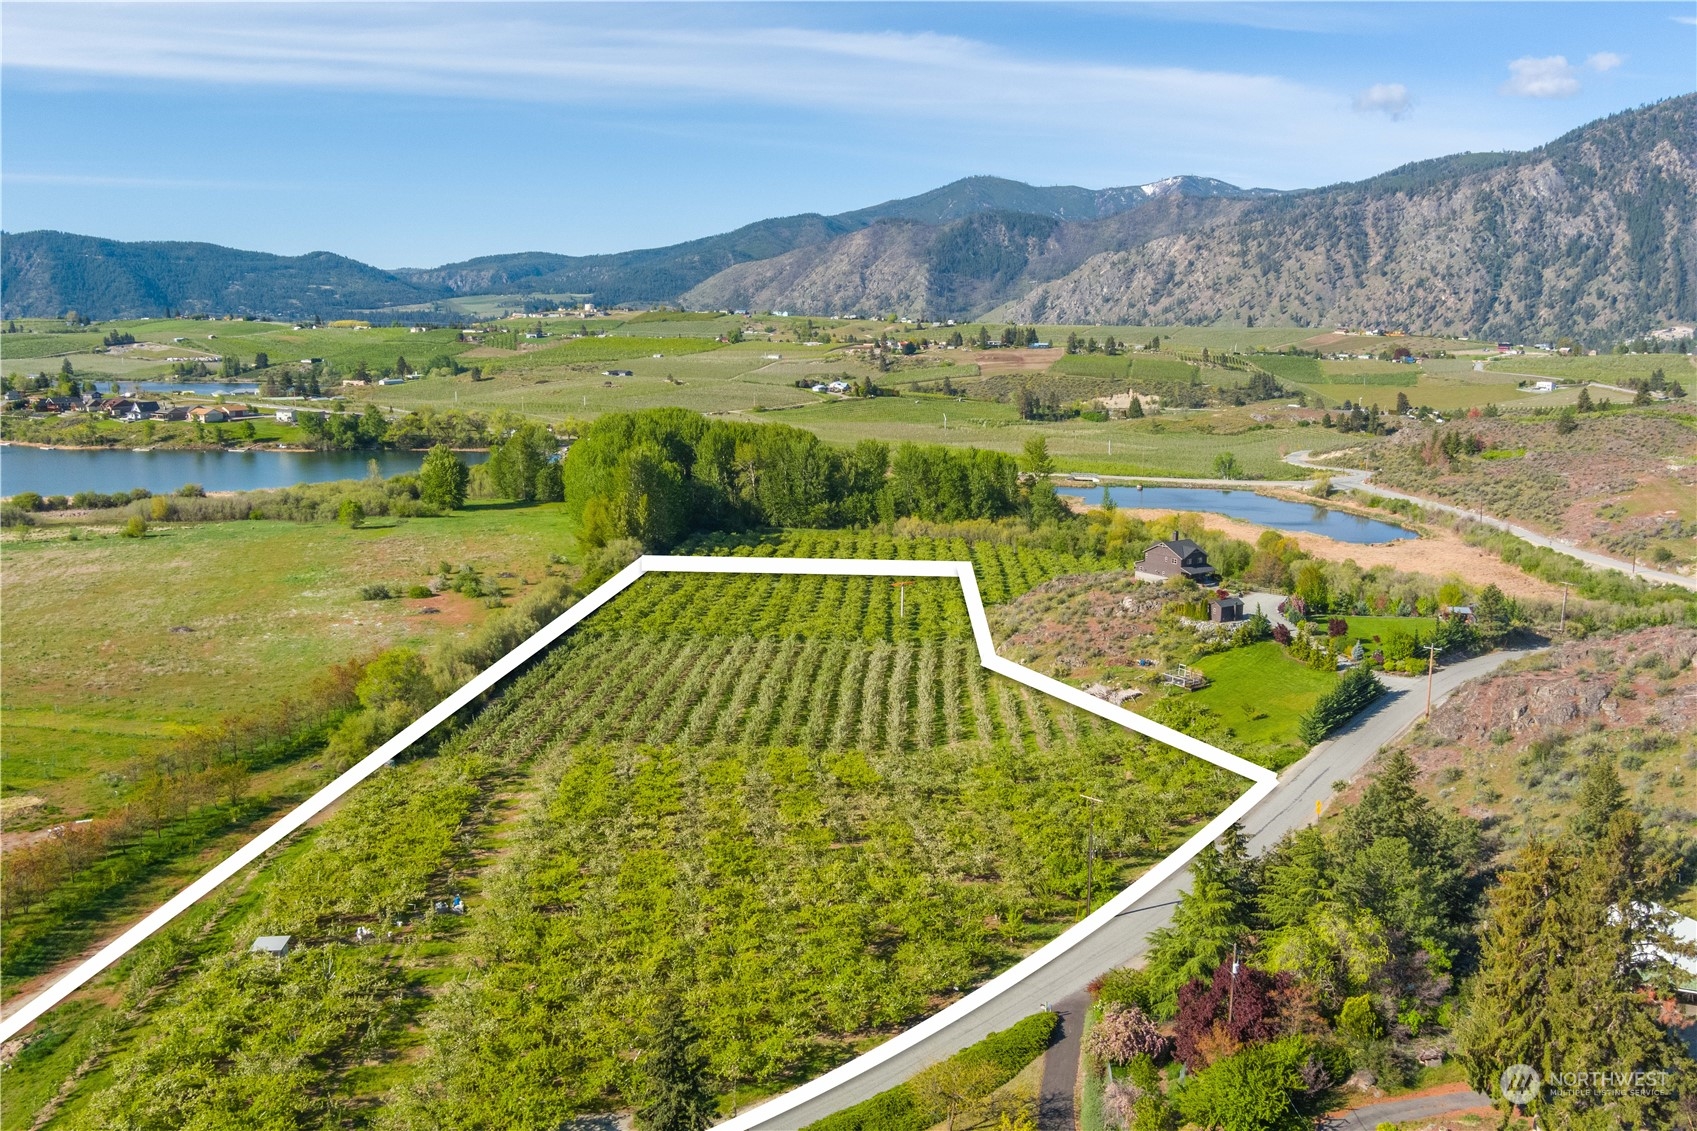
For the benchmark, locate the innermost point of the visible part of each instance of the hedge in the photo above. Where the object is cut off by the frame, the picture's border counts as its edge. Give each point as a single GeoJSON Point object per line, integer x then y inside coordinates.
{"type": "Point", "coordinates": [1355, 690]}
{"type": "Point", "coordinates": [899, 1109]}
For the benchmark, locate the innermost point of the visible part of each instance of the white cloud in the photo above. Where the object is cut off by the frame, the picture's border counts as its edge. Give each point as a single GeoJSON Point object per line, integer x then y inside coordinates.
{"type": "Point", "coordinates": [1549, 77]}
{"type": "Point", "coordinates": [1691, 20]}
{"type": "Point", "coordinates": [692, 65]}
{"type": "Point", "coordinates": [1385, 98]}
{"type": "Point", "coordinates": [1604, 61]}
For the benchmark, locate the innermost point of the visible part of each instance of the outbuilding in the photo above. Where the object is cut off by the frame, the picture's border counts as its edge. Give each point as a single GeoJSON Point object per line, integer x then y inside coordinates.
{"type": "Point", "coordinates": [1222, 610]}
{"type": "Point", "coordinates": [275, 945]}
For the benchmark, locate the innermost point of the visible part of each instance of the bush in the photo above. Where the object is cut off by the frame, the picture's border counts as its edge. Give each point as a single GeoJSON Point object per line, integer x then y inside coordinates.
{"type": "Point", "coordinates": [28, 500]}
{"type": "Point", "coordinates": [901, 1109]}
{"type": "Point", "coordinates": [420, 591]}
{"type": "Point", "coordinates": [135, 528]}
{"type": "Point", "coordinates": [191, 491]}
{"type": "Point", "coordinates": [375, 593]}
{"type": "Point", "coordinates": [13, 515]}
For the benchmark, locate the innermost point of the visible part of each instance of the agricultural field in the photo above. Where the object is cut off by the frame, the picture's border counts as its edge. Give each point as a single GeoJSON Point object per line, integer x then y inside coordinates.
{"type": "Point", "coordinates": [1607, 369]}
{"type": "Point", "coordinates": [803, 849]}
{"type": "Point", "coordinates": [342, 347]}
{"type": "Point", "coordinates": [196, 621]}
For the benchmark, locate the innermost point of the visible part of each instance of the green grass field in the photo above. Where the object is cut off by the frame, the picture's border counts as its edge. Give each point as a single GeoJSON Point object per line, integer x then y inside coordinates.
{"type": "Point", "coordinates": [1260, 692]}
{"type": "Point", "coordinates": [1609, 369]}
{"type": "Point", "coordinates": [196, 621]}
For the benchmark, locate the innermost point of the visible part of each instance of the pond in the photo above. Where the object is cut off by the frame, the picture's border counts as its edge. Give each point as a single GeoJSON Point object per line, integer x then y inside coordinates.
{"type": "Point", "coordinates": [65, 471]}
{"type": "Point", "coordinates": [1280, 514]}
{"type": "Point", "coordinates": [197, 388]}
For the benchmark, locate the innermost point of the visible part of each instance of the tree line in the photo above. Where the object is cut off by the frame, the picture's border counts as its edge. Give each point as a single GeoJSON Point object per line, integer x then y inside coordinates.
{"type": "Point", "coordinates": [658, 475]}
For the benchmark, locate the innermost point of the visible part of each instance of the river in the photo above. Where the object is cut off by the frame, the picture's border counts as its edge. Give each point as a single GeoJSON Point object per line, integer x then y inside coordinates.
{"type": "Point", "coordinates": [1280, 514]}
{"type": "Point", "coordinates": [65, 471]}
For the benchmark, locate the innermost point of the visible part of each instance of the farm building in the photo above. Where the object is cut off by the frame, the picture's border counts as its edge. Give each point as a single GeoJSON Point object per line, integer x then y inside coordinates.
{"type": "Point", "coordinates": [1175, 557]}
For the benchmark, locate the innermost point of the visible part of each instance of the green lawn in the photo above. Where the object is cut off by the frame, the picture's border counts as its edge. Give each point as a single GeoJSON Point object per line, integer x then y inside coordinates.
{"type": "Point", "coordinates": [1260, 692]}
{"type": "Point", "coordinates": [1365, 628]}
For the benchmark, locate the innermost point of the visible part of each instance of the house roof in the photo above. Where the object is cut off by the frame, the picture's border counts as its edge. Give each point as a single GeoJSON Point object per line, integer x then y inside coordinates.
{"type": "Point", "coordinates": [1183, 547]}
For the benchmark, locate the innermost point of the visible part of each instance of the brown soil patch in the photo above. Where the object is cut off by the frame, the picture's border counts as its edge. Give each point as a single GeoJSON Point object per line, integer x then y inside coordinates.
{"type": "Point", "coordinates": [1012, 361]}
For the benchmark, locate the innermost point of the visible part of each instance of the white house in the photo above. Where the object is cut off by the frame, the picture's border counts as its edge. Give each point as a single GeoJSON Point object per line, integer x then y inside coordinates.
{"type": "Point", "coordinates": [1543, 386]}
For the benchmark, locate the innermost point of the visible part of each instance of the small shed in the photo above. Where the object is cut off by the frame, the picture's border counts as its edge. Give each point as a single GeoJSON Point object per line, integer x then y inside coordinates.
{"type": "Point", "coordinates": [274, 945]}
{"type": "Point", "coordinates": [1224, 609]}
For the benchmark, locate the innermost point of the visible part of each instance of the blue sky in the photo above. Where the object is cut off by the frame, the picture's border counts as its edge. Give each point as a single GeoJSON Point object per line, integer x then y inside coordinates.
{"type": "Point", "coordinates": [412, 135]}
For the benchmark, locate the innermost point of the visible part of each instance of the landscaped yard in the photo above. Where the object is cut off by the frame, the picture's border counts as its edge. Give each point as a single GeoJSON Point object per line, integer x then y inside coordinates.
{"type": "Point", "coordinates": [1260, 692]}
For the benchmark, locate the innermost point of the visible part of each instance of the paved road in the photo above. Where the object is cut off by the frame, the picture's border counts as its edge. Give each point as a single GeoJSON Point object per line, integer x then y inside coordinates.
{"type": "Point", "coordinates": [1290, 806]}
{"type": "Point", "coordinates": [1408, 1107]}
{"type": "Point", "coordinates": [1354, 480]}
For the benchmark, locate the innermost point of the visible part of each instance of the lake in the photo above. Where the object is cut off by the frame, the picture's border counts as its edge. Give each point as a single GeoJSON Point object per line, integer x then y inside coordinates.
{"type": "Point", "coordinates": [65, 471]}
{"type": "Point", "coordinates": [1292, 518]}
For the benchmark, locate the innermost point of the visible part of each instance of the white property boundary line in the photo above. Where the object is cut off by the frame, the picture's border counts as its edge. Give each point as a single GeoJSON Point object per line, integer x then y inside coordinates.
{"type": "Point", "coordinates": [1264, 782]}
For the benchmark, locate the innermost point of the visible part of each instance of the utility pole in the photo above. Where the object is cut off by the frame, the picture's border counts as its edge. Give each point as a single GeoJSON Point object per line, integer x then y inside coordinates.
{"type": "Point", "coordinates": [1090, 855]}
{"type": "Point", "coordinates": [1431, 666]}
{"type": "Point", "coordinates": [1231, 989]}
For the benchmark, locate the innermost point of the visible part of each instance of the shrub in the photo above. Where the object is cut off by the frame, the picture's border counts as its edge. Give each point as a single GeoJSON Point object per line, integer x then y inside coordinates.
{"type": "Point", "coordinates": [135, 528]}
{"type": "Point", "coordinates": [420, 591]}
{"type": "Point", "coordinates": [1124, 1033]}
{"type": "Point", "coordinates": [13, 515]}
{"type": "Point", "coordinates": [997, 1057]}
{"type": "Point", "coordinates": [375, 593]}
{"type": "Point", "coordinates": [350, 513]}
{"type": "Point", "coordinates": [28, 500]}
{"type": "Point", "coordinates": [1336, 707]}
{"type": "Point", "coordinates": [191, 491]}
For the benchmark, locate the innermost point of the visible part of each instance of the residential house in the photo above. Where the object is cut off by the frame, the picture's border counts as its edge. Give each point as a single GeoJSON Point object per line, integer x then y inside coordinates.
{"type": "Point", "coordinates": [208, 414]}
{"type": "Point", "coordinates": [1175, 557]}
{"type": "Point", "coordinates": [285, 416]}
{"type": "Point", "coordinates": [172, 412]}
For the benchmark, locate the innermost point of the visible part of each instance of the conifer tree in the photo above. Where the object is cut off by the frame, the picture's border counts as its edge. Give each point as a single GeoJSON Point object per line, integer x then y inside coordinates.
{"type": "Point", "coordinates": [1601, 796]}
{"type": "Point", "coordinates": [678, 1097]}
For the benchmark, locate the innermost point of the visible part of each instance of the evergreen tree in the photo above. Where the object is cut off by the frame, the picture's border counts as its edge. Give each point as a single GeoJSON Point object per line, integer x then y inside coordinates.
{"type": "Point", "coordinates": [1135, 410]}
{"type": "Point", "coordinates": [1601, 796]}
{"type": "Point", "coordinates": [1583, 404]}
{"type": "Point", "coordinates": [678, 1096]}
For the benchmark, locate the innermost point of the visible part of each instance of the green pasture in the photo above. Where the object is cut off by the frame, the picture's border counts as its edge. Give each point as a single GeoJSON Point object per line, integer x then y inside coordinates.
{"type": "Point", "coordinates": [196, 621]}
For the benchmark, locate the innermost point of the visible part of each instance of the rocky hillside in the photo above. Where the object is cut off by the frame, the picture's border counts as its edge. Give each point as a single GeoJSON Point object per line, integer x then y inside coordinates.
{"type": "Point", "coordinates": [1596, 231]}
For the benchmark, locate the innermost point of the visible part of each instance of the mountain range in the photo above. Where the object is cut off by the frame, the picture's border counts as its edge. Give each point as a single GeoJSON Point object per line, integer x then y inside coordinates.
{"type": "Point", "coordinates": [1594, 233]}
